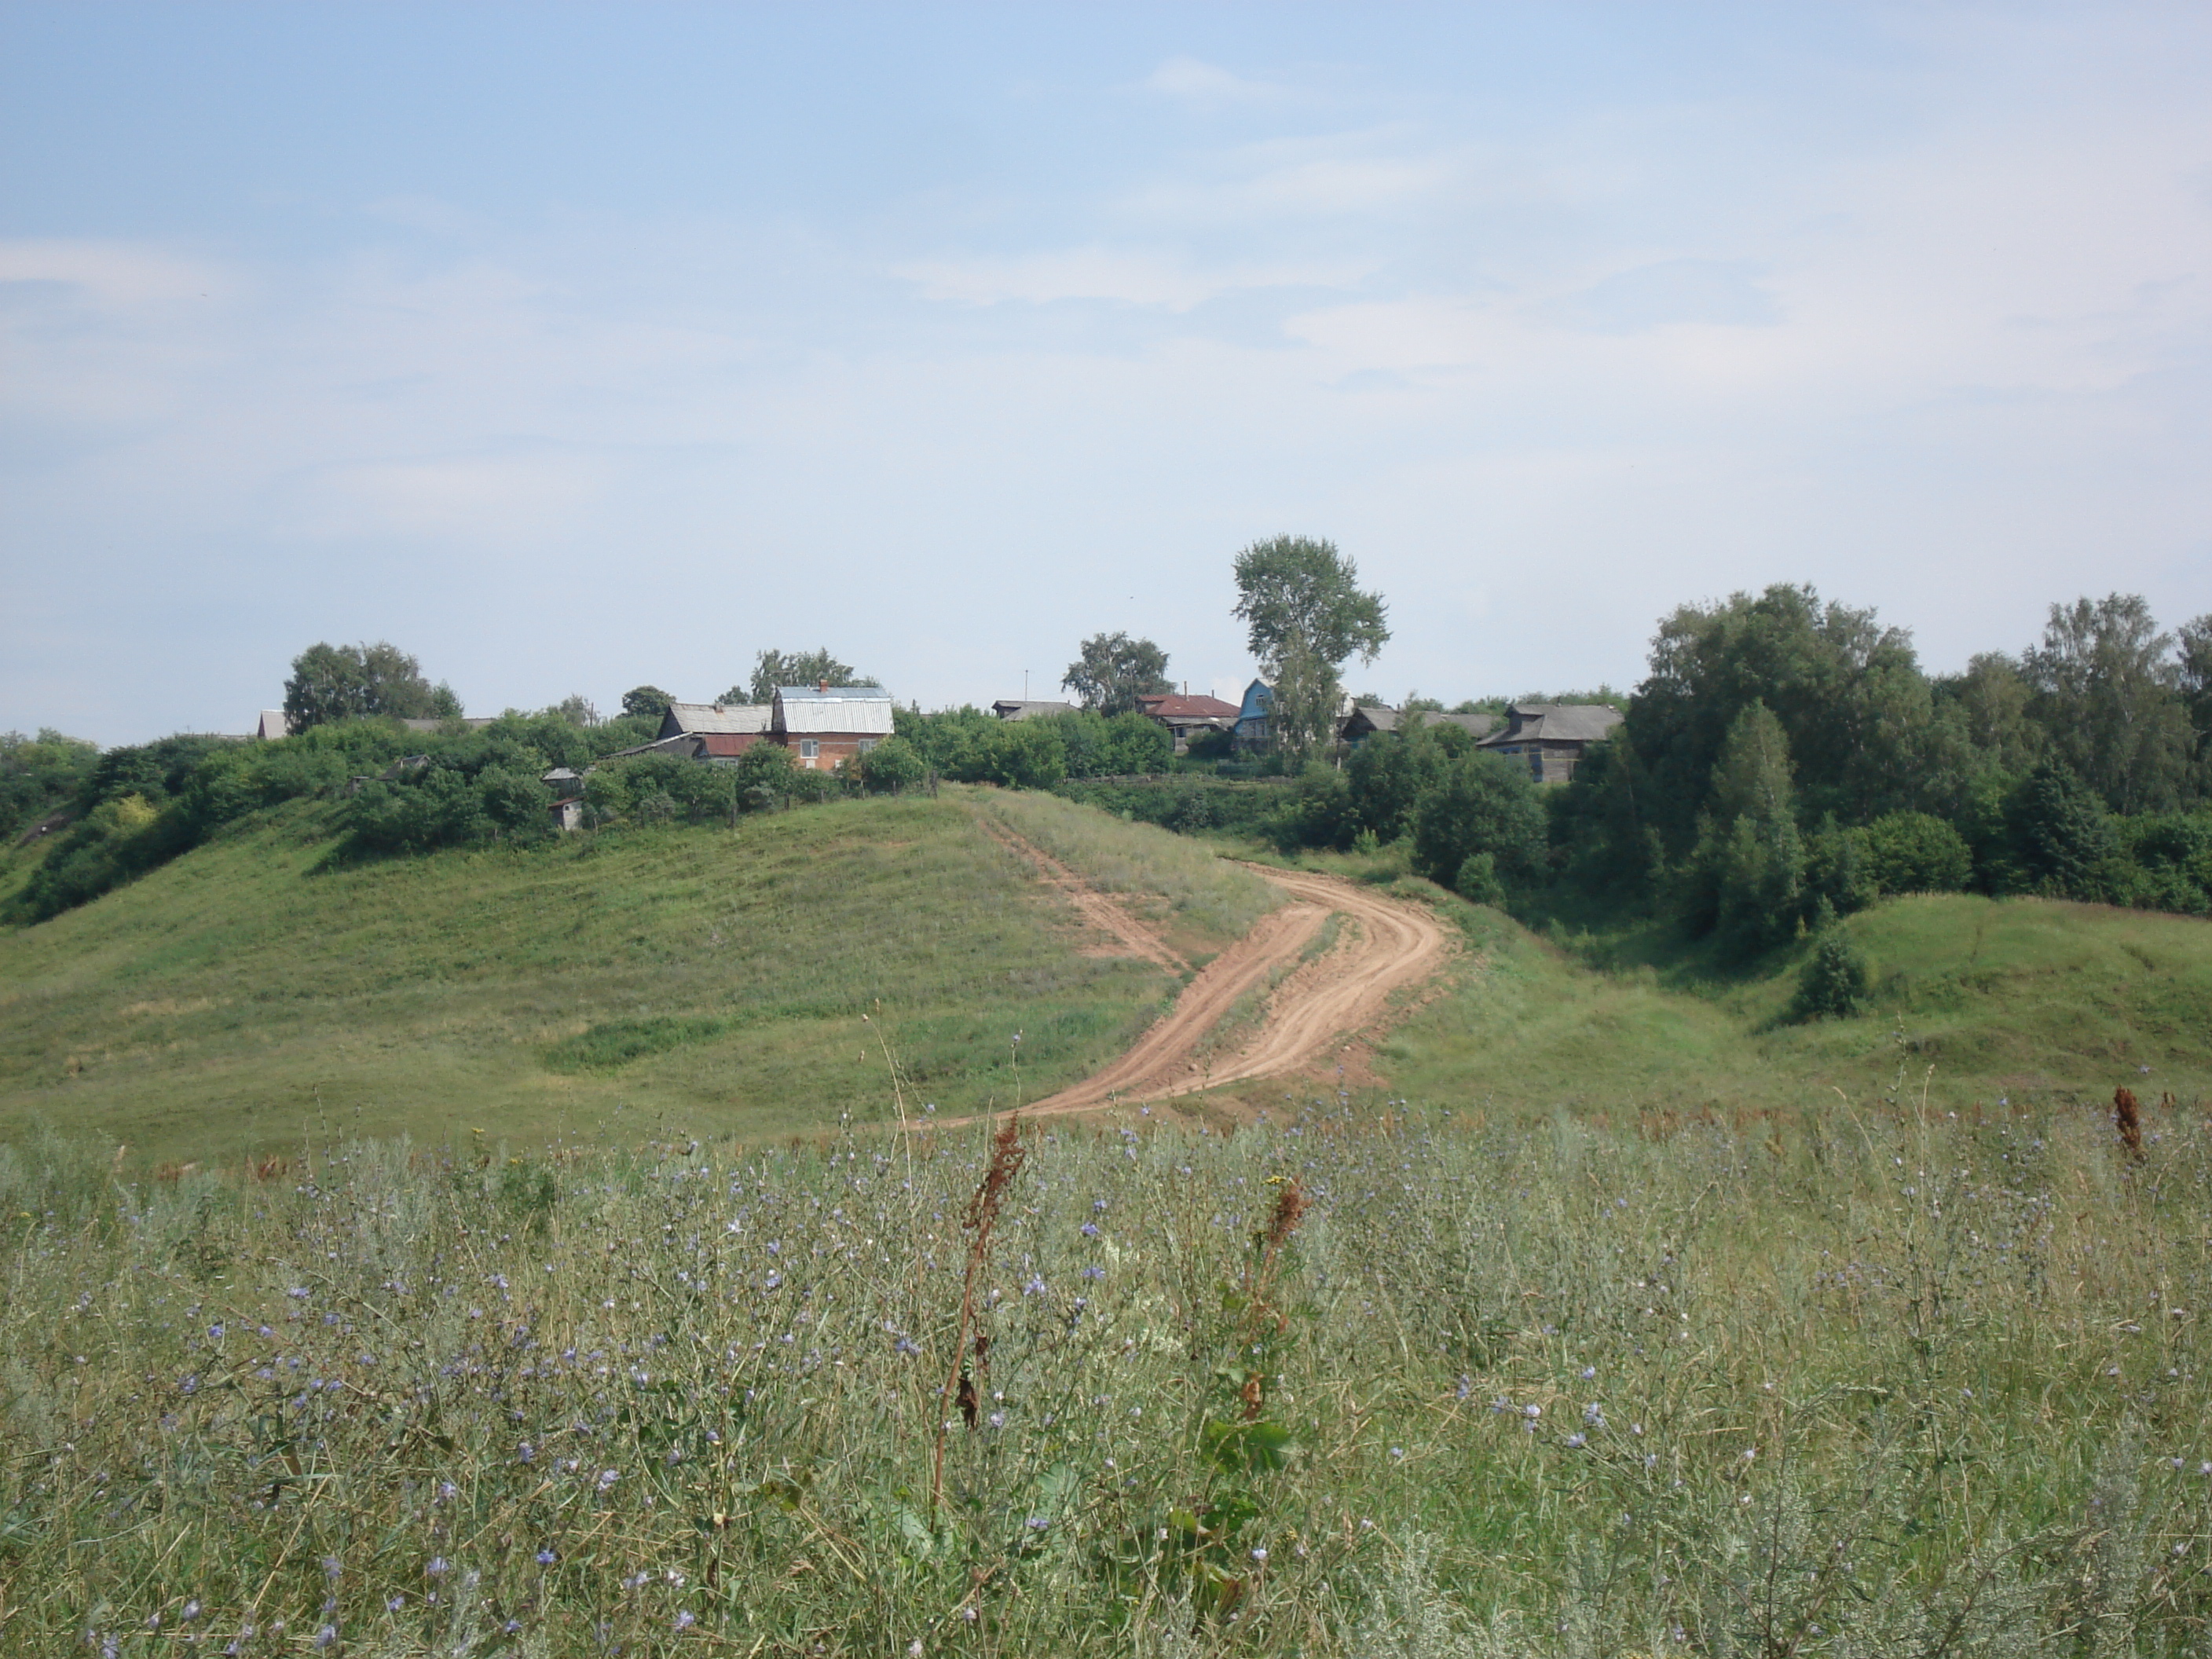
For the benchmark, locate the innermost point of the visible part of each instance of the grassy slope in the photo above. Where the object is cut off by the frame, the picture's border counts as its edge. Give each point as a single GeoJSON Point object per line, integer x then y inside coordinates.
{"type": "Point", "coordinates": [2020, 998]}
{"type": "Point", "coordinates": [714, 981]}
{"type": "Point", "coordinates": [239, 997]}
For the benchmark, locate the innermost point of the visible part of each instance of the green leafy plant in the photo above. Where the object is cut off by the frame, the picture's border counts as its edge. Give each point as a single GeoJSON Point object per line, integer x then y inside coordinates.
{"type": "Point", "coordinates": [1834, 982]}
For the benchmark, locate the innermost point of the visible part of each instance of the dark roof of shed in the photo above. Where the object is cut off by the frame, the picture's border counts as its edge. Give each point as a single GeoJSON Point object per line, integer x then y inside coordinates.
{"type": "Point", "coordinates": [1571, 722]}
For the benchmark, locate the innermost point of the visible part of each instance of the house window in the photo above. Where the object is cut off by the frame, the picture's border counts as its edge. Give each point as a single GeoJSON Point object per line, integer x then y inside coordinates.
{"type": "Point", "coordinates": [867, 745]}
{"type": "Point", "coordinates": [810, 749]}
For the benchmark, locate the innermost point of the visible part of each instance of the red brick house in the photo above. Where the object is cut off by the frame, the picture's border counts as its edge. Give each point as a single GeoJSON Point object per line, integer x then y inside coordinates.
{"type": "Point", "coordinates": [824, 726]}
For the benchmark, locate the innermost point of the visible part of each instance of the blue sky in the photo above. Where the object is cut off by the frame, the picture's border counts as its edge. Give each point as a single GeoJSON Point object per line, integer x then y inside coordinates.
{"type": "Point", "coordinates": [571, 348]}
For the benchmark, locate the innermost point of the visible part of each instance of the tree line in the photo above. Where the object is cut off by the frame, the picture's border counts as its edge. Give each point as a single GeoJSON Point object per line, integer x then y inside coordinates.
{"type": "Point", "coordinates": [1786, 760]}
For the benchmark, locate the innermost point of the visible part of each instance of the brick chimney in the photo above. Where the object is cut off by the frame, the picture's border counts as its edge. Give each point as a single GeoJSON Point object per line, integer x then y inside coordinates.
{"type": "Point", "coordinates": [823, 685]}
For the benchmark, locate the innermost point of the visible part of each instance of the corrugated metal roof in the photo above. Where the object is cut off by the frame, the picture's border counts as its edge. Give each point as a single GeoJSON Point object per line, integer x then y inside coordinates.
{"type": "Point", "coordinates": [862, 710]}
{"type": "Point", "coordinates": [273, 725]}
{"type": "Point", "coordinates": [1017, 708]}
{"type": "Point", "coordinates": [717, 717]}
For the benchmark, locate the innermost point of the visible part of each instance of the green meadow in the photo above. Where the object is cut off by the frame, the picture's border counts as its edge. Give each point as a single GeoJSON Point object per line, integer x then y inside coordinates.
{"type": "Point", "coordinates": [1593, 1313]}
{"type": "Point", "coordinates": [256, 993]}
{"type": "Point", "coordinates": [1975, 1000]}
{"type": "Point", "coordinates": [722, 981]}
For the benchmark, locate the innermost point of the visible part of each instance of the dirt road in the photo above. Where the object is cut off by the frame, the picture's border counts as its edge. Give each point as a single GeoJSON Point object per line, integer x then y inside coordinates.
{"type": "Point", "coordinates": [1382, 945]}
{"type": "Point", "coordinates": [1093, 906]}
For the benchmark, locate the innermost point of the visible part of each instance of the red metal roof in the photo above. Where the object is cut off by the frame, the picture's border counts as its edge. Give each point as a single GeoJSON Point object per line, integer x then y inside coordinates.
{"type": "Point", "coordinates": [1181, 707]}
{"type": "Point", "coordinates": [725, 744]}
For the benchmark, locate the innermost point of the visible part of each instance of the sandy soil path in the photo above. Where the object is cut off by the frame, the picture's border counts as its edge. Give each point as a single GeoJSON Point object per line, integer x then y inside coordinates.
{"type": "Point", "coordinates": [1382, 945]}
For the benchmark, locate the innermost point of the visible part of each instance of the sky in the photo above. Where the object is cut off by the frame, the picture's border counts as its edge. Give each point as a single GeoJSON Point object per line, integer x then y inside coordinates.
{"type": "Point", "coordinates": [574, 348]}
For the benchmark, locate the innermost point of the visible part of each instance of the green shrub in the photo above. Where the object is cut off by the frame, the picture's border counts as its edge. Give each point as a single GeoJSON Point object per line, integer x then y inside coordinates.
{"type": "Point", "coordinates": [1834, 982]}
{"type": "Point", "coordinates": [1483, 803]}
{"type": "Point", "coordinates": [1186, 803]}
{"type": "Point", "coordinates": [1916, 852]}
{"type": "Point", "coordinates": [890, 766]}
{"type": "Point", "coordinates": [1477, 881]}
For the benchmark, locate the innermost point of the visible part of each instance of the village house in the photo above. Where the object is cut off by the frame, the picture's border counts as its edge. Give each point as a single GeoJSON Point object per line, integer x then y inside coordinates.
{"type": "Point", "coordinates": [1551, 737]}
{"type": "Point", "coordinates": [1187, 716]}
{"type": "Point", "coordinates": [1255, 733]}
{"type": "Point", "coordinates": [1368, 717]}
{"type": "Point", "coordinates": [711, 731]}
{"type": "Point", "coordinates": [824, 725]}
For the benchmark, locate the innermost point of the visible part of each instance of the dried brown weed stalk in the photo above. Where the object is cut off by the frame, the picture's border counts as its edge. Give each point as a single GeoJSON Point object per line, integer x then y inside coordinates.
{"type": "Point", "coordinates": [1290, 1209]}
{"type": "Point", "coordinates": [964, 1383]}
{"type": "Point", "coordinates": [2128, 1120]}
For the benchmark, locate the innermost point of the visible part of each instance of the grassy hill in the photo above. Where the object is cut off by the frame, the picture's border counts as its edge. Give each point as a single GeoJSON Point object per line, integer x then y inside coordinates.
{"type": "Point", "coordinates": [712, 981]}
{"type": "Point", "coordinates": [1975, 999]}
{"type": "Point", "coordinates": [723, 982]}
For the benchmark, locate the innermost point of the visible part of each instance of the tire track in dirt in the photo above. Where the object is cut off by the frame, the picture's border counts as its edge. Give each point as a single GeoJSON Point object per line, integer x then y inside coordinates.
{"type": "Point", "coordinates": [1390, 945]}
{"type": "Point", "coordinates": [1093, 906]}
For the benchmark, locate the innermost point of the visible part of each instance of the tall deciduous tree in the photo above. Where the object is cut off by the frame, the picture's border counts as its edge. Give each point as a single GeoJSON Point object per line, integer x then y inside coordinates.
{"type": "Point", "coordinates": [1112, 670]}
{"type": "Point", "coordinates": [2195, 639]}
{"type": "Point", "coordinates": [774, 668]}
{"type": "Point", "coordinates": [1853, 704]}
{"type": "Point", "coordinates": [1305, 612]}
{"type": "Point", "coordinates": [2109, 701]}
{"type": "Point", "coordinates": [1752, 854]}
{"type": "Point", "coordinates": [332, 683]}
{"type": "Point", "coordinates": [649, 701]}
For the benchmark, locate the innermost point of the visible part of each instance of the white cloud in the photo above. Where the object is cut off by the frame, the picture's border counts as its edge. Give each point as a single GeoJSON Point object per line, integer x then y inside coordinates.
{"type": "Point", "coordinates": [502, 503]}
{"type": "Point", "coordinates": [1123, 275]}
{"type": "Point", "coordinates": [1199, 82]}
{"type": "Point", "coordinates": [1725, 293]}
{"type": "Point", "coordinates": [112, 274]}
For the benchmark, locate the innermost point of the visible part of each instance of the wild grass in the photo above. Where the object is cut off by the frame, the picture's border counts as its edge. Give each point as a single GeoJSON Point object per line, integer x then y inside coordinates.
{"type": "Point", "coordinates": [1886, 1382]}
{"type": "Point", "coordinates": [247, 995]}
{"type": "Point", "coordinates": [1202, 900]}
